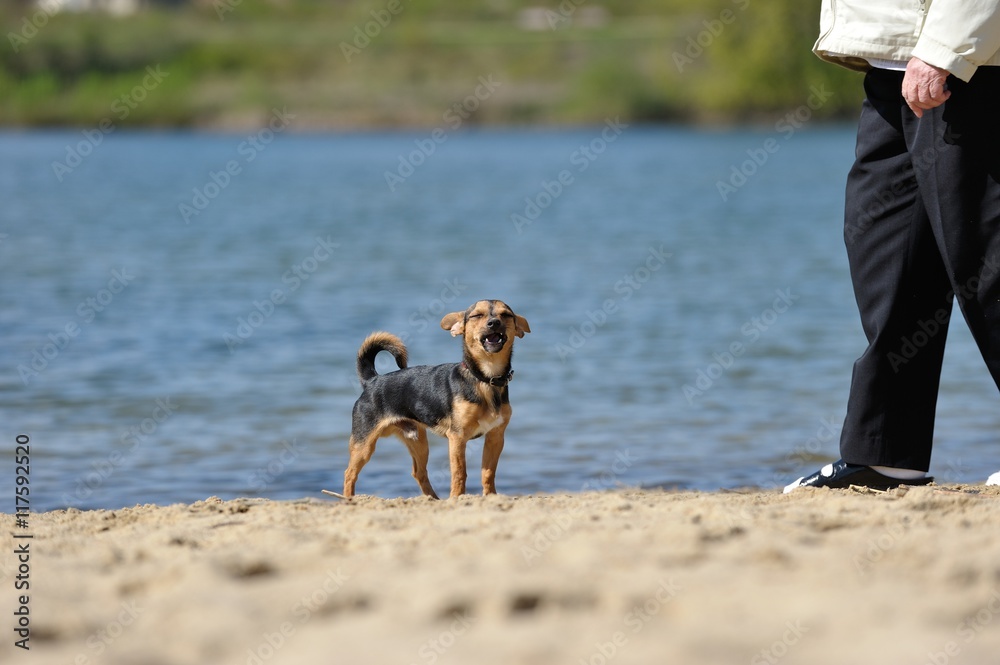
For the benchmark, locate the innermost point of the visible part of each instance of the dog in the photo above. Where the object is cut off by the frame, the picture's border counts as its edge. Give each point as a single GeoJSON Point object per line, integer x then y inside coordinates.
{"type": "Point", "coordinates": [459, 401]}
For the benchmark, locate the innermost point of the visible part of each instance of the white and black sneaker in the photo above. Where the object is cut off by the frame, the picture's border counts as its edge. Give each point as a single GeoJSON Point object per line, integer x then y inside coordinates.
{"type": "Point", "coordinates": [841, 475]}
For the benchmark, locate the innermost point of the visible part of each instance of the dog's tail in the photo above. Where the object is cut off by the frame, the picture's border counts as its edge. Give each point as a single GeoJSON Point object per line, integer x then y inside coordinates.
{"type": "Point", "coordinates": [373, 344]}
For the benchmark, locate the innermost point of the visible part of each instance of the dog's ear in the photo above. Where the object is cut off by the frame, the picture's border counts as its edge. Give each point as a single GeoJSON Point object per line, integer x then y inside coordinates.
{"type": "Point", "coordinates": [521, 326]}
{"type": "Point", "coordinates": [454, 322]}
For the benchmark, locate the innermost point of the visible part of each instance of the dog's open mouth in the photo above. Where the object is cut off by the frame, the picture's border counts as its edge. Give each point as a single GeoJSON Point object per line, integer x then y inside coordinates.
{"type": "Point", "coordinates": [493, 342]}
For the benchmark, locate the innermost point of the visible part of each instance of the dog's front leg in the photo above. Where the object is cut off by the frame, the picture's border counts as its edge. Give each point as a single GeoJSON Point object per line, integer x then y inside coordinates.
{"type": "Point", "coordinates": [492, 448]}
{"type": "Point", "coordinates": [456, 456]}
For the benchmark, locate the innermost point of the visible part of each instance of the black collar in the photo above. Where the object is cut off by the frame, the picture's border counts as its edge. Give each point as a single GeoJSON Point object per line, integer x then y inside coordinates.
{"type": "Point", "coordinates": [495, 381]}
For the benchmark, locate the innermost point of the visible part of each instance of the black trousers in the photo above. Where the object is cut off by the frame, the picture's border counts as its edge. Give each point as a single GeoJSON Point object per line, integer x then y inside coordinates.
{"type": "Point", "coordinates": [922, 228]}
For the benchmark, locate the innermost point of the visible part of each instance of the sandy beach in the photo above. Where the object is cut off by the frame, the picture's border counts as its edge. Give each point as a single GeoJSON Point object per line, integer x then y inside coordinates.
{"type": "Point", "coordinates": [819, 576]}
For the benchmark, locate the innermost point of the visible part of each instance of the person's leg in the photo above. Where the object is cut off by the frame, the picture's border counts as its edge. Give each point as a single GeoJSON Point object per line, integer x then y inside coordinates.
{"type": "Point", "coordinates": [953, 155]}
{"type": "Point", "coordinates": [960, 185]}
{"type": "Point", "coordinates": [902, 290]}
{"type": "Point", "coordinates": [956, 152]}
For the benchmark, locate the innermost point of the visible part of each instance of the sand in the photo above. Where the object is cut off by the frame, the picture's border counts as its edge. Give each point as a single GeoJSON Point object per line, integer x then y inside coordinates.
{"type": "Point", "coordinates": [819, 576]}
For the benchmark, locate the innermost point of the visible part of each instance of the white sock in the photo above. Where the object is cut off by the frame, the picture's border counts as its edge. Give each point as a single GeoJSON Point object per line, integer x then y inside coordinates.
{"type": "Point", "coordinates": [900, 474]}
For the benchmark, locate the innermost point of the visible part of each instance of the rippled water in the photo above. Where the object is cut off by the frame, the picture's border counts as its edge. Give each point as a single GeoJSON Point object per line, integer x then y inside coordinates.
{"type": "Point", "coordinates": [157, 353]}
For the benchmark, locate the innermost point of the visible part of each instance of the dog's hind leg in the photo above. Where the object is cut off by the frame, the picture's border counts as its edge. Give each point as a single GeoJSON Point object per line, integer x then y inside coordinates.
{"type": "Point", "coordinates": [415, 438]}
{"type": "Point", "coordinates": [361, 452]}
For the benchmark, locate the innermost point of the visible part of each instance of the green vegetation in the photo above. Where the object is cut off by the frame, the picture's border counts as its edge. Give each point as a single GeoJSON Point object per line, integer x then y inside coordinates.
{"type": "Point", "coordinates": [228, 63]}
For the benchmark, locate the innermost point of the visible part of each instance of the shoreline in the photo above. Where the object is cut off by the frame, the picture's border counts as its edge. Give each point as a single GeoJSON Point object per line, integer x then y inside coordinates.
{"type": "Point", "coordinates": [760, 122]}
{"type": "Point", "coordinates": [624, 576]}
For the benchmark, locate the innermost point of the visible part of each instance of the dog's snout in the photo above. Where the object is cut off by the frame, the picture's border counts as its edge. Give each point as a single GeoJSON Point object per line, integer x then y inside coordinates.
{"type": "Point", "coordinates": [494, 323]}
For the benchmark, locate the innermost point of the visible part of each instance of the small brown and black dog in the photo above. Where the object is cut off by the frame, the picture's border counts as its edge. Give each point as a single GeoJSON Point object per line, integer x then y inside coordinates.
{"type": "Point", "coordinates": [460, 401]}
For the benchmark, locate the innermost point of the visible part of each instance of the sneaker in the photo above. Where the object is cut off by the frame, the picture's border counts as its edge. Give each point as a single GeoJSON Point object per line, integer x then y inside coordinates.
{"type": "Point", "coordinates": [840, 475]}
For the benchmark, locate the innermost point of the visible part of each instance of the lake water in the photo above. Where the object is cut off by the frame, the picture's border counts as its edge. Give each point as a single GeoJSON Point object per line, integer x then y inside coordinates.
{"type": "Point", "coordinates": [180, 312]}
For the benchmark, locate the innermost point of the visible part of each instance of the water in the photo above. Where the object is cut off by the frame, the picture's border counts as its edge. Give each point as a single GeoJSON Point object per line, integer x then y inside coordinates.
{"type": "Point", "coordinates": [157, 354]}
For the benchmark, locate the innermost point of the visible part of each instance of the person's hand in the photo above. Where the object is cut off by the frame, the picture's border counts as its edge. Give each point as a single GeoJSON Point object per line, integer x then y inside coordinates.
{"type": "Point", "coordinates": [924, 86]}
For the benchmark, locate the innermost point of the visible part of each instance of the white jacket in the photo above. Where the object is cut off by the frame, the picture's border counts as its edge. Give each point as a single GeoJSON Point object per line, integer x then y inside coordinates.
{"type": "Point", "coordinates": [957, 35]}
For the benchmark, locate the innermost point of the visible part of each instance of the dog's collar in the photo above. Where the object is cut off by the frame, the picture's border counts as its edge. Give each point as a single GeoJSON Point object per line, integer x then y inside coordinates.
{"type": "Point", "coordinates": [495, 381]}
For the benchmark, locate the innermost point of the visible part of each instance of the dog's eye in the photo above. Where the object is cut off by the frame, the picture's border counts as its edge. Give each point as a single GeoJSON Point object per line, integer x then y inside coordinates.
{"type": "Point", "coordinates": [475, 316]}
